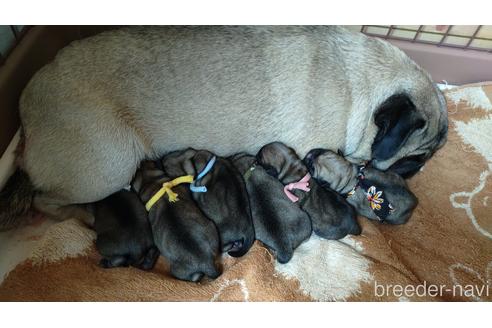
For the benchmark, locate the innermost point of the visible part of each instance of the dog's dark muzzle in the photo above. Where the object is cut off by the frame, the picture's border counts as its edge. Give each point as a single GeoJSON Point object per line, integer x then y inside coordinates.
{"type": "Point", "coordinates": [408, 166]}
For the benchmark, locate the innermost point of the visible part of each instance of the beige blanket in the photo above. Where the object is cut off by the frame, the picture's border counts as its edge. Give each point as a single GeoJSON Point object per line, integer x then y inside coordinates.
{"type": "Point", "coordinates": [443, 253]}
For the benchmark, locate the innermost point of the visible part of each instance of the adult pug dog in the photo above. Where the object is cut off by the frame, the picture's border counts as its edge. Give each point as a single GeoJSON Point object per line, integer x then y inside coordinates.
{"type": "Point", "coordinates": [109, 101]}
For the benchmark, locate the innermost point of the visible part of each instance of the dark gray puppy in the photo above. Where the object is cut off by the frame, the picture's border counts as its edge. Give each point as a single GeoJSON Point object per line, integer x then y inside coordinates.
{"type": "Point", "coordinates": [182, 233]}
{"type": "Point", "coordinates": [124, 236]}
{"type": "Point", "coordinates": [279, 224]}
{"type": "Point", "coordinates": [226, 200]}
{"type": "Point", "coordinates": [331, 216]}
{"type": "Point", "coordinates": [377, 195]}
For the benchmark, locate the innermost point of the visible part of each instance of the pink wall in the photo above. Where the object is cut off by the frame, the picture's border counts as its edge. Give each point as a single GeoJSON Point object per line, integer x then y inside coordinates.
{"type": "Point", "coordinates": [456, 66]}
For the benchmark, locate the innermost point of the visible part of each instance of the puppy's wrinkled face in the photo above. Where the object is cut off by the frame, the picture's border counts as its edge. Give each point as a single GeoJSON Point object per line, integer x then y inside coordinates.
{"type": "Point", "coordinates": [179, 163]}
{"type": "Point", "coordinates": [281, 162]}
{"type": "Point", "coordinates": [146, 173]}
{"type": "Point", "coordinates": [199, 160]}
{"type": "Point", "coordinates": [185, 162]}
{"type": "Point", "coordinates": [331, 169]}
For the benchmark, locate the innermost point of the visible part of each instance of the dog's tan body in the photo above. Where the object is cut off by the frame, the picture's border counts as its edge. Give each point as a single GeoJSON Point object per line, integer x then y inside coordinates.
{"type": "Point", "coordinates": [109, 101]}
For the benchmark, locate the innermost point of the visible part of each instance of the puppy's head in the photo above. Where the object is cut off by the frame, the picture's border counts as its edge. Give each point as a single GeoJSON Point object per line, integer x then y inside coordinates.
{"type": "Point", "coordinates": [185, 162]}
{"type": "Point", "coordinates": [226, 203]}
{"type": "Point", "coordinates": [331, 169]}
{"type": "Point", "coordinates": [146, 173]}
{"type": "Point", "coordinates": [179, 163]}
{"type": "Point", "coordinates": [394, 191]}
{"type": "Point", "coordinates": [198, 162]}
{"type": "Point", "coordinates": [195, 272]}
{"type": "Point", "coordinates": [281, 162]}
{"type": "Point", "coordinates": [242, 161]}
{"type": "Point", "coordinates": [331, 215]}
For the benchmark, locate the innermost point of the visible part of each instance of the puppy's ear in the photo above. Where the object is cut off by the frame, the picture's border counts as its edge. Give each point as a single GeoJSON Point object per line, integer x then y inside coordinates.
{"type": "Point", "coordinates": [147, 170]}
{"type": "Point", "coordinates": [185, 161]}
{"type": "Point", "coordinates": [199, 161]}
{"type": "Point", "coordinates": [274, 158]}
{"type": "Point", "coordinates": [270, 170]}
{"type": "Point", "coordinates": [137, 182]}
{"type": "Point", "coordinates": [268, 158]}
{"type": "Point", "coordinates": [397, 118]}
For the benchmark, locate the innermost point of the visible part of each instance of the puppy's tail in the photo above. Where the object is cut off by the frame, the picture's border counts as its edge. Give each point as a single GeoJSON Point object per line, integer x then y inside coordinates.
{"type": "Point", "coordinates": [15, 200]}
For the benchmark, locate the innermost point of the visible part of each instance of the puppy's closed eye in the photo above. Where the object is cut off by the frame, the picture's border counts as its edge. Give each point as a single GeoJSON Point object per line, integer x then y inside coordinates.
{"type": "Point", "coordinates": [270, 170]}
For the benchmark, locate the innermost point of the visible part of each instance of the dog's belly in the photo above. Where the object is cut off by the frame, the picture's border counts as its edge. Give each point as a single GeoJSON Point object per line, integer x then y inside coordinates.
{"type": "Point", "coordinates": [87, 131]}
{"type": "Point", "coordinates": [242, 132]}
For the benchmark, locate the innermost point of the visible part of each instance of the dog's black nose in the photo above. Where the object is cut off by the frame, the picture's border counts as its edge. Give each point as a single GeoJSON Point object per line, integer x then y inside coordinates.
{"type": "Point", "coordinates": [311, 156]}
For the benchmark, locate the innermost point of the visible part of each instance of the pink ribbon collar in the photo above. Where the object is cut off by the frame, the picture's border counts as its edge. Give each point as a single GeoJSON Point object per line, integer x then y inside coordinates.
{"type": "Point", "coordinates": [302, 184]}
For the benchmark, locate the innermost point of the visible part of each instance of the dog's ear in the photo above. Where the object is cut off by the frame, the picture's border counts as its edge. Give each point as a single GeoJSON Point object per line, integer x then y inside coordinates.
{"type": "Point", "coordinates": [137, 182]}
{"type": "Point", "coordinates": [147, 171]}
{"type": "Point", "coordinates": [269, 159]}
{"type": "Point", "coordinates": [270, 170]}
{"type": "Point", "coordinates": [276, 158]}
{"type": "Point", "coordinates": [397, 118]}
{"type": "Point", "coordinates": [199, 161]}
{"type": "Point", "coordinates": [186, 161]}
{"type": "Point", "coordinates": [188, 167]}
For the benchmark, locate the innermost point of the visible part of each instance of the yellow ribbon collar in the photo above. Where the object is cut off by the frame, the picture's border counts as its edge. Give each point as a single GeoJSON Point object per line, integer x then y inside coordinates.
{"type": "Point", "coordinates": [167, 189]}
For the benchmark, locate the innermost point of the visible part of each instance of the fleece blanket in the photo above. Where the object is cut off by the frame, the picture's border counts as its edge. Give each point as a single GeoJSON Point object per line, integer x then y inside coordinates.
{"type": "Point", "coordinates": [444, 252]}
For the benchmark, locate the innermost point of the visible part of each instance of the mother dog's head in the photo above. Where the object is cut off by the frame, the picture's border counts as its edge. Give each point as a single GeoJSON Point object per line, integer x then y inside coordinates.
{"type": "Point", "coordinates": [398, 115]}
{"type": "Point", "coordinates": [409, 131]}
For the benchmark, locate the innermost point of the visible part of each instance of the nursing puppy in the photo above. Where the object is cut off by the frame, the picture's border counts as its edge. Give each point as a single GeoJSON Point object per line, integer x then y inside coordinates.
{"type": "Point", "coordinates": [279, 224]}
{"type": "Point", "coordinates": [124, 236]}
{"type": "Point", "coordinates": [184, 236]}
{"type": "Point", "coordinates": [225, 201]}
{"type": "Point", "coordinates": [331, 216]}
{"type": "Point", "coordinates": [317, 86]}
{"type": "Point", "coordinates": [376, 195]}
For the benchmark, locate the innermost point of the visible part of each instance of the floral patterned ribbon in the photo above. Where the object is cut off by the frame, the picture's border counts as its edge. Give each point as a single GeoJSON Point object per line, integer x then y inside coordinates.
{"type": "Point", "coordinates": [379, 205]}
{"type": "Point", "coordinates": [302, 184]}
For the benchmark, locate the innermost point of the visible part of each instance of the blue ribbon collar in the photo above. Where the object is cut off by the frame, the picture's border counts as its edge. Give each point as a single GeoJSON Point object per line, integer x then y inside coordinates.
{"type": "Point", "coordinates": [208, 167]}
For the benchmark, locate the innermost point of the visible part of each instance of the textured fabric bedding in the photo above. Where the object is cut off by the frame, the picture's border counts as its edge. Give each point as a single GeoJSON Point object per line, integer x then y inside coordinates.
{"type": "Point", "coordinates": [443, 253]}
